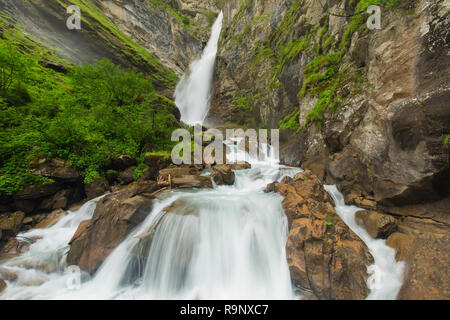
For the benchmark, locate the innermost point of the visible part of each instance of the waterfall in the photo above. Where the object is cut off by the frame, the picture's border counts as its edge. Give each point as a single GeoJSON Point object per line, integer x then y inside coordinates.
{"type": "Point", "coordinates": [193, 92]}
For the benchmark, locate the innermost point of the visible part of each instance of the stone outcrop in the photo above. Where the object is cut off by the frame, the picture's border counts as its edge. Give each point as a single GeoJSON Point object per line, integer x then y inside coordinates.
{"type": "Point", "coordinates": [378, 225]}
{"type": "Point", "coordinates": [183, 177]}
{"type": "Point", "coordinates": [324, 255]}
{"type": "Point", "coordinates": [10, 224]}
{"type": "Point", "coordinates": [223, 175]}
{"type": "Point", "coordinates": [116, 215]}
{"type": "Point", "coordinates": [96, 188]}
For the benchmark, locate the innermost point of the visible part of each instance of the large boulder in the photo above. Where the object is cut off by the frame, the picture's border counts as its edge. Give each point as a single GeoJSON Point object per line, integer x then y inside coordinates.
{"type": "Point", "coordinates": [54, 65]}
{"type": "Point", "coordinates": [56, 169]}
{"type": "Point", "coordinates": [96, 188]}
{"type": "Point", "coordinates": [10, 224]}
{"type": "Point", "coordinates": [378, 225]}
{"type": "Point", "coordinates": [223, 175]}
{"type": "Point", "coordinates": [116, 215]}
{"type": "Point", "coordinates": [324, 255]}
{"type": "Point", "coordinates": [51, 219]}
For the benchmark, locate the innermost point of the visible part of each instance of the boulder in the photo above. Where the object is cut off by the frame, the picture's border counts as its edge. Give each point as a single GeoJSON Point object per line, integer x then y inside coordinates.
{"type": "Point", "coordinates": [37, 191]}
{"type": "Point", "coordinates": [57, 66]}
{"type": "Point", "coordinates": [96, 188]}
{"type": "Point", "coordinates": [223, 175]}
{"type": "Point", "coordinates": [56, 169]}
{"type": "Point", "coordinates": [378, 225]}
{"type": "Point", "coordinates": [10, 224]}
{"type": "Point", "coordinates": [60, 200]}
{"type": "Point", "coordinates": [7, 275]}
{"type": "Point", "coordinates": [51, 219]}
{"type": "Point", "coordinates": [127, 176]}
{"type": "Point", "coordinates": [13, 248]}
{"type": "Point", "coordinates": [240, 166]}
{"type": "Point", "coordinates": [323, 254]}
{"type": "Point", "coordinates": [123, 162]}
{"type": "Point", "coordinates": [403, 244]}
{"type": "Point", "coordinates": [116, 215]}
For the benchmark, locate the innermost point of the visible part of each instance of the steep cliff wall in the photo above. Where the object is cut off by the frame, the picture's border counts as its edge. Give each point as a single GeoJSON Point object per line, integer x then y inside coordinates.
{"type": "Point", "coordinates": [341, 91]}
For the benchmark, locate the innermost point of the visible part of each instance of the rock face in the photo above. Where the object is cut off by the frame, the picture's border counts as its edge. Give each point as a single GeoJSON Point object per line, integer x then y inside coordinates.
{"type": "Point", "coordinates": [378, 225]}
{"type": "Point", "coordinates": [386, 142]}
{"type": "Point", "coordinates": [115, 216]}
{"type": "Point", "coordinates": [157, 30]}
{"type": "Point", "coordinates": [96, 188]}
{"type": "Point", "coordinates": [428, 276]}
{"type": "Point", "coordinates": [324, 255]}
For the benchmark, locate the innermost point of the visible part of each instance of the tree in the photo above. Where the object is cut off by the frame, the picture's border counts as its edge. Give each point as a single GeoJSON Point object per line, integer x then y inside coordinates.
{"type": "Point", "coordinates": [13, 67]}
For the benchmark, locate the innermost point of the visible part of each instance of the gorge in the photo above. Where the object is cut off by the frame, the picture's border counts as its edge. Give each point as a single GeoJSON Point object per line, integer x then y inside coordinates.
{"type": "Point", "coordinates": [357, 206]}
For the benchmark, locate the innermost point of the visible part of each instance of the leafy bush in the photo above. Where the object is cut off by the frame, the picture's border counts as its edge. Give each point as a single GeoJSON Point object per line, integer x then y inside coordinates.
{"type": "Point", "coordinates": [89, 116]}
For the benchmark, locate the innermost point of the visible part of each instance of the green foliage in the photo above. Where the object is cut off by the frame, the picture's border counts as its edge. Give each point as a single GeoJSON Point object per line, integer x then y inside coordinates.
{"type": "Point", "coordinates": [291, 121]}
{"type": "Point", "coordinates": [446, 139]}
{"type": "Point", "coordinates": [89, 116]}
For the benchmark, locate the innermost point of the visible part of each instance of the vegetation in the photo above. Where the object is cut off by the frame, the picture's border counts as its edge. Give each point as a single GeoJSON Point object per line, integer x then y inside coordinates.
{"type": "Point", "coordinates": [89, 116]}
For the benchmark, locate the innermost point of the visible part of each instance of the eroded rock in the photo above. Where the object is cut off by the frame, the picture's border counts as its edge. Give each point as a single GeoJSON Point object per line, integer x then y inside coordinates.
{"type": "Point", "coordinates": [116, 215]}
{"type": "Point", "coordinates": [323, 254]}
{"type": "Point", "coordinates": [378, 225]}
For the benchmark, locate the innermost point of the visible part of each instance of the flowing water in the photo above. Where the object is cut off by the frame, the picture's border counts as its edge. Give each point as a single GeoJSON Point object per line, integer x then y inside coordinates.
{"type": "Point", "coordinates": [192, 94]}
{"type": "Point", "coordinates": [221, 243]}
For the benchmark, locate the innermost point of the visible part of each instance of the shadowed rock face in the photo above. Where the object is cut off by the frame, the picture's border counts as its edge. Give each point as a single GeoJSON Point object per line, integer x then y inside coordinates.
{"type": "Point", "coordinates": [385, 141]}
{"type": "Point", "coordinates": [324, 255]}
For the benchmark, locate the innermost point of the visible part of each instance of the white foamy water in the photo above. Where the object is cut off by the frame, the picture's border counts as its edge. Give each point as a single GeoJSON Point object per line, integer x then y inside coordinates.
{"type": "Point", "coordinates": [222, 243]}
{"type": "Point", "coordinates": [193, 92]}
{"type": "Point", "coordinates": [386, 273]}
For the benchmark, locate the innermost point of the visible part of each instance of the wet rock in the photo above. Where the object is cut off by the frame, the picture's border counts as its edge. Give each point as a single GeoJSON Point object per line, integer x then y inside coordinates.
{"type": "Point", "coordinates": [51, 219]}
{"type": "Point", "coordinates": [14, 247]}
{"type": "Point", "coordinates": [427, 271]}
{"type": "Point", "coordinates": [223, 175]}
{"type": "Point", "coordinates": [378, 225]}
{"type": "Point", "coordinates": [3, 286]}
{"type": "Point", "coordinates": [116, 215]}
{"type": "Point", "coordinates": [403, 244]}
{"type": "Point", "coordinates": [7, 275]}
{"type": "Point", "coordinates": [10, 224]}
{"type": "Point", "coordinates": [240, 166]}
{"type": "Point", "coordinates": [324, 255]}
{"type": "Point", "coordinates": [96, 188]}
